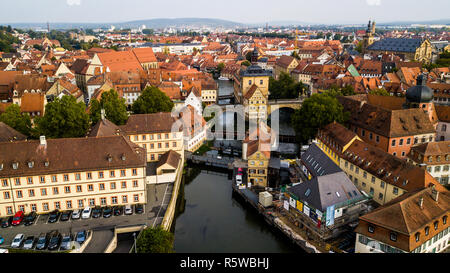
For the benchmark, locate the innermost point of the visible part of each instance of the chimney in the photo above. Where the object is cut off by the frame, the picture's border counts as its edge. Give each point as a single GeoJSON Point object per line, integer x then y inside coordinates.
{"type": "Point", "coordinates": [421, 202]}
{"type": "Point", "coordinates": [434, 193]}
{"type": "Point", "coordinates": [43, 141]}
{"type": "Point", "coordinates": [102, 113]}
{"type": "Point", "coordinates": [244, 150]}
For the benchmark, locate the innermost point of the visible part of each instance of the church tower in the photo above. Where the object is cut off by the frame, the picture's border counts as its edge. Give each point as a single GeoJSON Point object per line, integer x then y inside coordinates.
{"type": "Point", "coordinates": [368, 38]}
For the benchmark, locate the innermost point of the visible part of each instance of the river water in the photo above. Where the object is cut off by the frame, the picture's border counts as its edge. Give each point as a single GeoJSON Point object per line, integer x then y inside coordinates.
{"type": "Point", "coordinates": [210, 219]}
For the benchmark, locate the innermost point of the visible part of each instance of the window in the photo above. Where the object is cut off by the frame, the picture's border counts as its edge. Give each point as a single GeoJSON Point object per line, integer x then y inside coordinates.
{"type": "Point", "coordinates": [43, 192]}
{"type": "Point", "coordinates": [378, 138]}
{"type": "Point", "coordinates": [9, 210]}
{"type": "Point", "coordinates": [79, 188]}
{"type": "Point", "coordinates": [371, 229]}
{"type": "Point", "coordinates": [54, 178]}
{"type": "Point", "coordinates": [382, 184]}
{"type": "Point", "coordinates": [89, 175]}
{"type": "Point", "coordinates": [31, 193]}
{"type": "Point", "coordinates": [408, 141]}
{"type": "Point", "coordinates": [69, 204]}
{"type": "Point", "coordinates": [101, 186]}
{"type": "Point", "coordinates": [393, 236]}
{"type": "Point", "coordinates": [152, 156]}
{"type": "Point", "coordinates": [393, 143]}
{"type": "Point", "coordinates": [124, 199]}
{"type": "Point", "coordinates": [55, 190]}
{"type": "Point", "coordinates": [91, 202]}
{"type": "Point", "coordinates": [33, 207]}
{"type": "Point", "coordinates": [67, 189]}
{"type": "Point", "coordinates": [159, 145]}
{"type": "Point", "coordinates": [159, 136]}
{"type": "Point", "coordinates": [122, 172]}
{"type": "Point", "coordinates": [112, 174]}
{"type": "Point", "coordinates": [136, 197]}
{"type": "Point", "coordinates": [17, 181]}
{"type": "Point", "coordinates": [372, 192]}
{"type": "Point", "coordinates": [57, 205]}
{"type": "Point", "coordinates": [114, 200]}
{"type": "Point", "coordinates": [365, 174]}
{"type": "Point", "coordinates": [437, 168]}
{"type": "Point", "coordinates": [308, 192]}
{"type": "Point", "coordinates": [444, 220]}
{"type": "Point", "coordinates": [373, 179]}
{"type": "Point", "coordinates": [80, 203]}
{"type": "Point", "coordinates": [103, 201]}
{"type": "Point", "coordinates": [174, 144]}
{"type": "Point", "coordinates": [100, 174]}
{"type": "Point", "coordinates": [19, 194]}
{"type": "Point", "coordinates": [6, 195]}
{"type": "Point", "coordinates": [45, 206]}
{"type": "Point", "coordinates": [444, 127]}
{"type": "Point", "coordinates": [77, 176]}
{"type": "Point", "coordinates": [134, 171]}
{"type": "Point", "coordinates": [113, 185]}
{"type": "Point", "coordinates": [395, 191]}
{"type": "Point", "coordinates": [167, 144]}
{"type": "Point", "coordinates": [30, 180]}
{"type": "Point", "coordinates": [417, 236]}
{"type": "Point", "coordinates": [66, 177]}
{"type": "Point", "coordinates": [436, 224]}
{"type": "Point", "coordinates": [427, 231]}
{"type": "Point", "coordinates": [124, 185]}
{"type": "Point", "coordinates": [380, 196]}
{"type": "Point", "coordinates": [167, 136]}
{"type": "Point", "coordinates": [135, 183]}
{"type": "Point", "coordinates": [5, 183]}
{"type": "Point", "coordinates": [90, 187]}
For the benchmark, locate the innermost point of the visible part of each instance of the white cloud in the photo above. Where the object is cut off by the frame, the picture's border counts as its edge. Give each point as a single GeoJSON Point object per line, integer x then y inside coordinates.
{"type": "Point", "coordinates": [373, 2]}
{"type": "Point", "coordinates": [73, 2]}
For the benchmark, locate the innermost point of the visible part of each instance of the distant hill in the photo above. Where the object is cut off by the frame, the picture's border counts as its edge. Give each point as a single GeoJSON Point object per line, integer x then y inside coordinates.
{"type": "Point", "coordinates": [407, 23]}
{"type": "Point", "coordinates": [180, 22]}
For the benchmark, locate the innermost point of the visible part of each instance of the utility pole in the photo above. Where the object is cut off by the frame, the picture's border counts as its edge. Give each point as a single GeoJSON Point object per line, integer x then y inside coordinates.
{"type": "Point", "coordinates": [134, 235]}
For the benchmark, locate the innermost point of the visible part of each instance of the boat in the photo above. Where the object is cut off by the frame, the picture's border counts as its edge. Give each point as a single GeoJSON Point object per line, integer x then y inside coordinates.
{"type": "Point", "coordinates": [222, 78]}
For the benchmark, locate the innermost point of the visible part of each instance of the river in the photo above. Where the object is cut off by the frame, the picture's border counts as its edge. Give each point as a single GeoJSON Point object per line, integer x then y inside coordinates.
{"type": "Point", "coordinates": [210, 219]}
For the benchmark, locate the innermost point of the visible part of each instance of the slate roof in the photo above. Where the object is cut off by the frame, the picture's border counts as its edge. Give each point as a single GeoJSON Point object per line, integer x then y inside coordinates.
{"type": "Point", "coordinates": [317, 162]}
{"type": "Point", "coordinates": [397, 44]}
{"type": "Point", "coordinates": [327, 190]}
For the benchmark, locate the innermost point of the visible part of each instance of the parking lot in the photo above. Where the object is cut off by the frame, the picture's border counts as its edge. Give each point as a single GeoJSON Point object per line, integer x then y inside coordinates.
{"type": "Point", "coordinates": [158, 197]}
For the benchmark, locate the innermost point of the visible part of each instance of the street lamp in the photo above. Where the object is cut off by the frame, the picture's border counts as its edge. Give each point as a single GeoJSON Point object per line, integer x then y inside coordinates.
{"type": "Point", "coordinates": [134, 235]}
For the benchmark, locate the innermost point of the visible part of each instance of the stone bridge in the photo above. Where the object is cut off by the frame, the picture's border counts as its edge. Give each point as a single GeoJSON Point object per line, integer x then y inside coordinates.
{"type": "Point", "coordinates": [294, 104]}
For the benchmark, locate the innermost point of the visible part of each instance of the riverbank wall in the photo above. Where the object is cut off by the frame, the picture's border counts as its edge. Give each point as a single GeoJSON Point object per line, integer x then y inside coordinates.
{"type": "Point", "coordinates": [274, 221]}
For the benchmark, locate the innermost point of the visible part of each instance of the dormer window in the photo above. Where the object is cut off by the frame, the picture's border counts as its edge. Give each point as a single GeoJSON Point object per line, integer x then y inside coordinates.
{"type": "Point", "coordinates": [371, 229]}
{"type": "Point", "coordinates": [46, 163]}
{"type": "Point", "coordinates": [109, 158]}
{"type": "Point", "coordinates": [1, 166]}
{"type": "Point", "coordinates": [31, 164]}
{"type": "Point", "coordinates": [123, 157]}
{"type": "Point", "coordinates": [417, 236]}
{"type": "Point", "coordinates": [393, 236]}
{"type": "Point", "coordinates": [427, 231]}
{"type": "Point", "coordinates": [436, 224]}
{"type": "Point", "coordinates": [15, 165]}
{"type": "Point", "coordinates": [444, 219]}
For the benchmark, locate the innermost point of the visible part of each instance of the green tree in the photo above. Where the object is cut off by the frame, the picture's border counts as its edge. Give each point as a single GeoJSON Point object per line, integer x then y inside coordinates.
{"type": "Point", "coordinates": [147, 31]}
{"type": "Point", "coordinates": [316, 112]}
{"type": "Point", "coordinates": [359, 47]}
{"type": "Point", "coordinates": [379, 92]}
{"type": "Point", "coordinates": [285, 87]}
{"type": "Point", "coordinates": [152, 100]}
{"type": "Point", "coordinates": [115, 108]}
{"type": "Point", "coordinates": [295, 55]}
{"type": "Point", "coordinates": [63, 118]}
{"type": "Point", "coordinates": [341, 91]}
{"type": "Point", "coordinates": [155, 240]}
{"type": "Point", "coordinates": [220, 67]}
{"type": "Point", "coordinates": [246, 63]}
{"type": "Point", "coordinates": [17, 120]}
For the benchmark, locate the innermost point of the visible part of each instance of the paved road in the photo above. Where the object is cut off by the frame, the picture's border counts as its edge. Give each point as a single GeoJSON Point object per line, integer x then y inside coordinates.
{"type": "Point", "coordinates": [100, 240]}
{"type": "Point", "coordinates": [158, 196]}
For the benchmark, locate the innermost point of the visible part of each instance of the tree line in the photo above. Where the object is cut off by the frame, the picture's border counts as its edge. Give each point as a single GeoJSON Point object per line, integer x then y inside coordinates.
{"type": "Point", "coordinates": [65, 117]}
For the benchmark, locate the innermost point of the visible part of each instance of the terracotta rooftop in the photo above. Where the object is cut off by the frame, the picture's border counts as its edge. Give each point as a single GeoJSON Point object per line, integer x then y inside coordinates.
{"type": "Point", "coordinates": [149, 123]}
{"type": "Point", "coordinates": [9, 134]}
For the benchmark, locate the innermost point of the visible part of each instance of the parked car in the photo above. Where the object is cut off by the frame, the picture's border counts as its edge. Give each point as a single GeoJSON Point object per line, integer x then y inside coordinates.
{"type": "Point", "coordinates": [76, 214]}
{"type": "Point", "coordinates": [96, 212]}
{"type": "Point", "coordinates": [65, 215]}
{"type": "Point", "coordinates": [29, 243]}
{"type": "Point", "coordinates": [139, 208]}
{"type": "Point", "coordinates": [66, 243]}
{"type": "Point", "coordinates": [118, 210]}
{"type": "Point", "coordinates": [18, 218]}
{"type": "Point", "coordinates": [6, 222]}
{"type": "Point", "coordinates": [107, 212]}
{"type": "Point", "coordinates": [18, 240]}
{"type": "Point", "coordinates": [128, 210]}
{"type": "Point", "coordinates": [30, 218]}
{"type": "Point", "coordinates": [55, 241]}
{"type": "Point", "coordinates": [2, 240]}
{"type": "Point", "coordinates": [81, 237]}
{"type": "Point", "coordinates": [42, 241]}
{"type": "Point", "coordinates": [86, 214]}
{"type": "Point", "coordinates": [53, 217]}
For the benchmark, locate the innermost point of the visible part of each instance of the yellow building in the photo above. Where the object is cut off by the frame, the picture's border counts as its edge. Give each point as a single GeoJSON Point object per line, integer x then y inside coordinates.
{"type": "Point", "coordinates": [382, 175]}
{"type": "Point", "coordinates": [410, 49]}
{"type": "Point", "coordinates": [209, 92]}
{"type": "Point", "coordinates": [334, 139]}
{"type": "Point", "coordinates": [253, 75]}
{"type": "Point", "coordinates": [153, 132]}
{"type": "Point", "coordinates": [256, 103]}
{"type": "Point", "coordinates": [70, 174]}
{"type": "Point", "coordinates": [256, 150]}
{"type": "Point", "coordinates": [284, 64]}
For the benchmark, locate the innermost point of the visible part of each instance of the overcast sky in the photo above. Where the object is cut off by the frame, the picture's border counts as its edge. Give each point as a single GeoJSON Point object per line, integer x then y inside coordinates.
{"type": "Point", "coordinates": [245, 11]}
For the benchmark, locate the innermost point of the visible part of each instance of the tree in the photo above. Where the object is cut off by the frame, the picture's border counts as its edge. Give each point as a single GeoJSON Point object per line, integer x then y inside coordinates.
{"type": "Point", "coordinates": [155, 240]}
{"type": "Point", "coordinates": [63, 118]}
{"type": "Point", "coordinates": [316, 112]}
{"type": "Point", "coordinates": [359, 47]}
{"type": "Point", "coordinates": [17, 120]}
{"type": "Point", "coordinates": [285, 87]}
{"type": "Point", "coordinates": [295, 55]}
{"type": "Point", "coordinates": [379, 92]}
{"type": "Point", "coordinates": [341, 91]}
{"type": "Point", "coordinates": [246, 63]}
{"type": "Point", "coordinates": [152, 100]}
{"type": "Point", "coordinates": [147, 31]}
{"type": "Point", "coordinates": [220, 67]}
{"type": "Point", "coordinates": [115, 108]}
